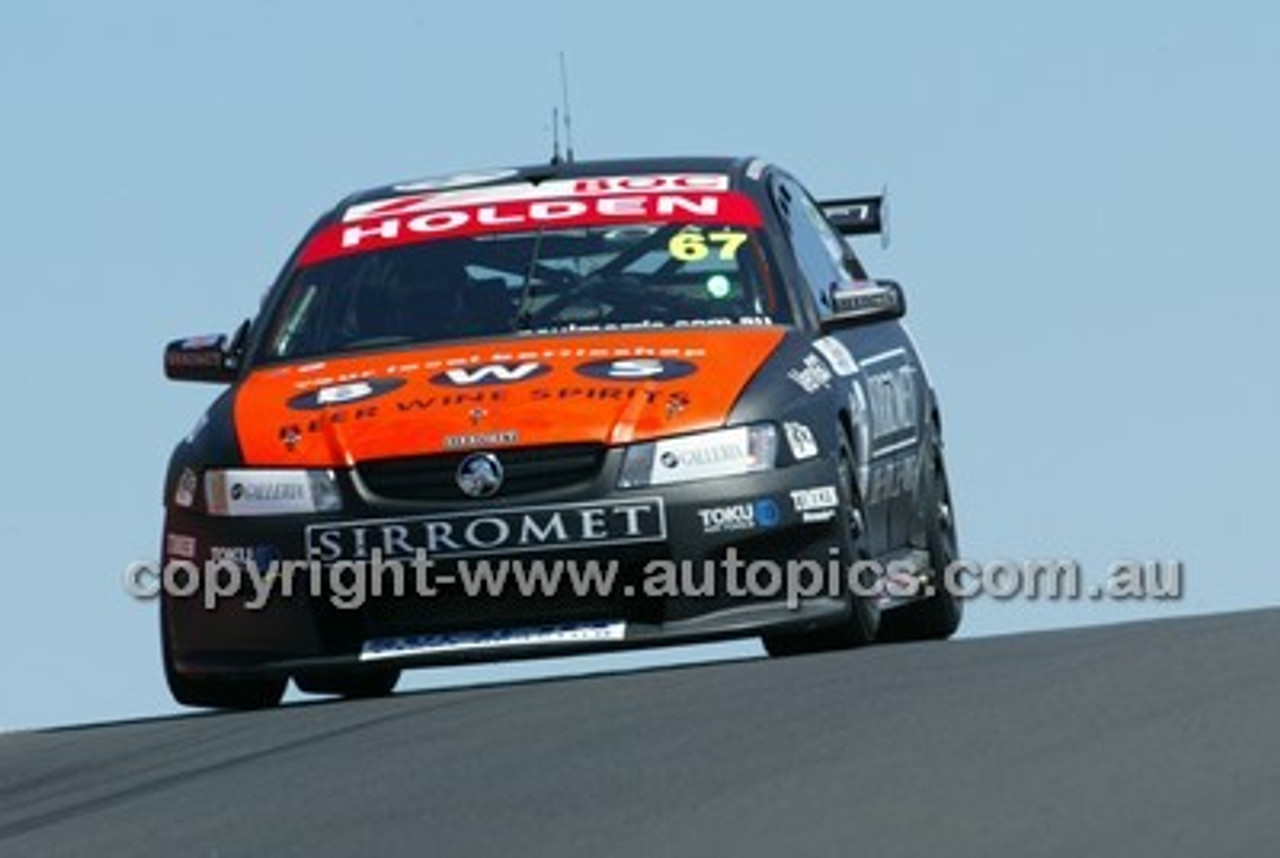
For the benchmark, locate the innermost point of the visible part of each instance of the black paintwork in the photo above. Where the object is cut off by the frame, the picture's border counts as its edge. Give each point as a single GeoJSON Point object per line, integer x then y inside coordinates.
{"type": "Point", "coordinates": [868, 408]}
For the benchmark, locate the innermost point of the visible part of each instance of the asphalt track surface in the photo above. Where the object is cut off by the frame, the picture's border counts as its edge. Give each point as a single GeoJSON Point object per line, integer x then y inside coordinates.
{"type": "Point", "coordinates": [1158, 738]}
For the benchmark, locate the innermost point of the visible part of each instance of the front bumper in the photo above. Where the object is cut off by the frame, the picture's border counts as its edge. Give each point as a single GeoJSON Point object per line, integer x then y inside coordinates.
{"type": "Point", "coordinates": [694, 578]}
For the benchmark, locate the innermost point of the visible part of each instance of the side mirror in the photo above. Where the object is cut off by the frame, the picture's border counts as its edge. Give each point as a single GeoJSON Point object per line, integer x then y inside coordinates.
{"type": "Point", "coordinates": [873, 301]}
{"type": "Point", "coordinates": [204, 358]}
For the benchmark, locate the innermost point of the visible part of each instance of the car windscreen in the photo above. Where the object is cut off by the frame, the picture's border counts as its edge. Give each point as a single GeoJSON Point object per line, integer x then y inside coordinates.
{"type": "Point", "coordinates": [548, 280]}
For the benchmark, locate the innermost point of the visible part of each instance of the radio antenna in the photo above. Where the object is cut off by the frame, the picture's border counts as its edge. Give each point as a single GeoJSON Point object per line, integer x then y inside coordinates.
{"type": "Point", "coordinates": [568, 126]}
{"type": "Point", "coordinates": [555, 136]}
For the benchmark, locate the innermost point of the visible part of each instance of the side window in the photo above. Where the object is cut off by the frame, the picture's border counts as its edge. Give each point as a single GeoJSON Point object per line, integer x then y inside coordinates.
{"type": "Point", "coordinates": [819, 251]}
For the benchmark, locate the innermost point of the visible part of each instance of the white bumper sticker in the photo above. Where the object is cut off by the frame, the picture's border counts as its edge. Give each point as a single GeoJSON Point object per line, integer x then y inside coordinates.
{"type": "Point", "coordinates": [492, 639]}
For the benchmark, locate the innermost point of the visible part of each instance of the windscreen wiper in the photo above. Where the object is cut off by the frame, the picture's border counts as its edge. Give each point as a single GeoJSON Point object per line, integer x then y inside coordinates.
{"type": "Point", "coordinates": [523, 317]}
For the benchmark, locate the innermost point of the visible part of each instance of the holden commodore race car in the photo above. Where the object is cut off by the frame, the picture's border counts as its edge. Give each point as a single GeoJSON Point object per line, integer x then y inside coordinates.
{"type": "Point", "coordinates": [672, 378]}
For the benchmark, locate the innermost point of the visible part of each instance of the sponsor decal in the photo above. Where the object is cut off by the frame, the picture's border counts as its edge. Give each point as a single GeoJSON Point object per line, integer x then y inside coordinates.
{"type": "Point", "coordinates": [691, 458]}
{"type": "Point", "coordinates": [815, 499]}
{"type": "Point", "coordinates": [609, 394]}
{"type": "Point", "coordinates": [694, 245]}
{"type": "Point", "coordinates": [524, 215]}
{"type": "Point", "coordinates": [767, 513]}
{"type": "Point", "coordinates": [271, 492]}
{"type": "Point", "coordinates": [865, 296]}
{"type": "Point", "coordinates": [481, 439]}
{"type": "Point", "coordinates": [262, 556]}
{"type": "Point", "coordinates": [812, 376]}
{"type": "Point", "coordinates": [578, 188]}
{"type": "Point", "coordinates": [893, 478]}
{"type": "Point", "coordinates": [801, 440]}
{"type": "Point", "coordinates": [452, 400]}
{"type": "Point", "coordinates": [291, 437]}
{"type": "Point", "coordinates": [858, 415]}
{"type": "Point", "coordinates": [637, 369]}
{"type": "Point", "coordinates": [457, 180]}
{"type": "Point", "coordinates": [561, 633]}
{"type": "Point", "coordinates": [504, 208]}
{"type": "Point", "coordinates": [747, 515]}
{"type": "Point", "coordinates": [837, 355]}
{"type": "Point", "coordinates": [291, 433]}
{"type": "Point", "coordinates": [345, 394]}
{"type": "Point", "coordinates": [206, 341]}
{"type": "Point", "coordinates": [202, 358]}
{"type": "Point", "coordinates": [518, 355]}
{"type": "Point", "coordinates": [654, 325]}
{"type": "Point", "coordinates": [480, 475]}
{"type": "Point", "coordinates": [676, 402]}
{"type": "Point", "coordinates": [892, 399]}
{"type": "Point", "coordinates": [180, 545]}
{"type": "Point", "coordinates": [493, 373]}
{"type": "Point", "coordinates": [493, 531]}
{"type": "Point", "coordinates": [857, 402]}
{"type": "Point", "coordinates": [551, 396]}
{"type": "Point", "coordinates": [185, 493]}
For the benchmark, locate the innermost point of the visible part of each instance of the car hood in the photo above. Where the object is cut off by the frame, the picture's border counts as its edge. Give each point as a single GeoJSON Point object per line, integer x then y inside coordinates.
{"type": "Point", "coordinates": [601, 388]}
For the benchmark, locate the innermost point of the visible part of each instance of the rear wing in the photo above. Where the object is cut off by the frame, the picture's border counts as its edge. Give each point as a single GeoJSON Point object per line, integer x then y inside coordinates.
{"type": "Point", "coordinates": [858, 215]}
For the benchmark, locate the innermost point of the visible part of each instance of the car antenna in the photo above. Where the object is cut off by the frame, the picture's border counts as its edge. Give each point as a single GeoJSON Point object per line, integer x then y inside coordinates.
{"type": "Point", "coordinates": [555, 137]}
{"type": "Point", "coordinates": [568, 126]}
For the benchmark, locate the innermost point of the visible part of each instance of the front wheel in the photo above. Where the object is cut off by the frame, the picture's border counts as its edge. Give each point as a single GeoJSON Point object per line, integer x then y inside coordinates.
{"type": "Point", "coordinates": [365, 684]}
{"type": "Point", "coordinates": [863, 623]}
{"type": "Point", "coordinates": [937, 616]}
{"type": "Point", "coordinates": [217, 693]}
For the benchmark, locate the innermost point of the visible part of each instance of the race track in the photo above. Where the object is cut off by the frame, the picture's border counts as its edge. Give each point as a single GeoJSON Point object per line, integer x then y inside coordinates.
{"type": "Point", "coordinates": [1158, 738]}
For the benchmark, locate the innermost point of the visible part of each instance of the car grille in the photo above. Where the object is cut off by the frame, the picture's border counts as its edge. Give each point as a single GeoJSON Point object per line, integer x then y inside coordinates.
{"type": "Point", "coordinates": [527, 470]}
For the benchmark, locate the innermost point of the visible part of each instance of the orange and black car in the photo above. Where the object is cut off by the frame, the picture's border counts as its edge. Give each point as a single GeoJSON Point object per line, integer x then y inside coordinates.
{"type": "Point", "coordinates": [549, 410]}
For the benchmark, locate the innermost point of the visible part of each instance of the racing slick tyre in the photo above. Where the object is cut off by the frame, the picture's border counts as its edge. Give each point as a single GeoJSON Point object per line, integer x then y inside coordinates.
{"type": "Point", "coordinates": [863, 623]}
{"type": "Point", "coordinates": [937, 616]}
{"type": "Point", "coordinates": [218, 693]}
{"type": "Point", "coordinates": [365, 684]}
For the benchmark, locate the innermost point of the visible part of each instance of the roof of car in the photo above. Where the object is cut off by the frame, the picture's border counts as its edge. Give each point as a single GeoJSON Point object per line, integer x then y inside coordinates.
{"type": "Point", "coordinates": [734, 167]}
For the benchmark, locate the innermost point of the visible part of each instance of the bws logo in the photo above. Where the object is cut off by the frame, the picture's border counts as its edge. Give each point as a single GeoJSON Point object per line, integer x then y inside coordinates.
{"type": "Point", "coordinates": [493, 373]}
{"type": "Point", "coordinates": [637, 369]}
{"type": "Point", "coordinates": [344, 394]}
{"type": "Point", "coordinates": [623, 369]}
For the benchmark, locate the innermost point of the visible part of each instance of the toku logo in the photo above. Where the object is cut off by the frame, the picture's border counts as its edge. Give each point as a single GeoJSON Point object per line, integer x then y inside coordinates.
{"type": "Point", "coordinates": [480, 475]}
{"type": "Point", "coordinates": [740, 516]}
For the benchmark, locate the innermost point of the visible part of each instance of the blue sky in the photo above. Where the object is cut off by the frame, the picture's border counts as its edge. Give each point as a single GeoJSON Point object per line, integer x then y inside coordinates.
{"type": "Point", "coordinates": [1083, 212]}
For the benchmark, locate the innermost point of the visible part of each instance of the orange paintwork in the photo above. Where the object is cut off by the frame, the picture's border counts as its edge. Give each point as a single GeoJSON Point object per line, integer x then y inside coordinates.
{"type": "Point", "coordinates": [548, 402]}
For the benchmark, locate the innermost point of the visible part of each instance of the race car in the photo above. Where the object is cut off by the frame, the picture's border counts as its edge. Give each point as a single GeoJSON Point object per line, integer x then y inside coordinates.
{"type": "Point", "coordinates": [554, 409]}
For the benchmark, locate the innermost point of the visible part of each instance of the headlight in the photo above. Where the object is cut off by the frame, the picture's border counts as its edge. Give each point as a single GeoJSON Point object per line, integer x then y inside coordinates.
{"type": "Point", "coordinates": [706, 455]}
{"type": "Point", "coordinates": [244, 491]}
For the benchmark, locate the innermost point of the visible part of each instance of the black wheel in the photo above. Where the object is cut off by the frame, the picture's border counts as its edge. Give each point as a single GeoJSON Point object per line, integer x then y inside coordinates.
{"type": "Point", "coordinates": [937, 616]}
{"type": "Point", "coordinates": [217, 693]}
{"type": "Point", "coordinates": [375, 683]}
{"type": "Point", "coordinates": [863, 623]}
